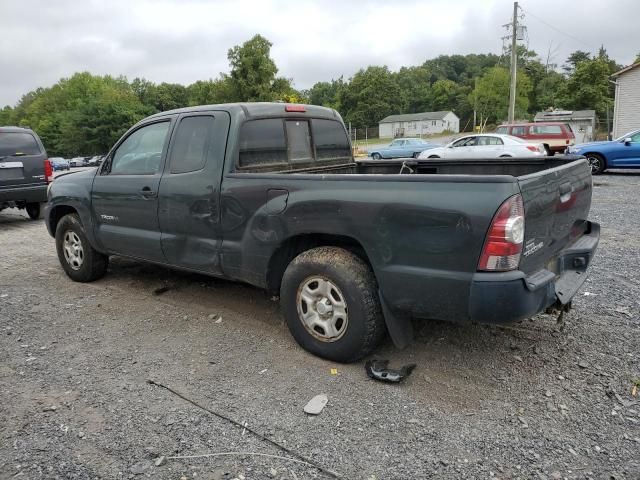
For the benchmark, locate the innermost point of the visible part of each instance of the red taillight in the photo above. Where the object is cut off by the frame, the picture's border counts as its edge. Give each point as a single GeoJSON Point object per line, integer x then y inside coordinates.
{"type": "Point", "coordinates": [48, 171]}
{"type": "Point", "coordinates": [295, 108]}
{"type": "Point", "coordinates": [533, 148]}
{"type": "Point", "coordinates": [503, 245]}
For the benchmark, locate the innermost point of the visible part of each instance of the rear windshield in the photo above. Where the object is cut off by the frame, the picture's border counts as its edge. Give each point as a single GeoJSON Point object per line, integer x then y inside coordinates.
{"type": "Point", "coordinates": [546, 129]}
{"type": "Point", "coordinates": [285, 144]}
{"type": "Point", "coordinates": [18, 143]}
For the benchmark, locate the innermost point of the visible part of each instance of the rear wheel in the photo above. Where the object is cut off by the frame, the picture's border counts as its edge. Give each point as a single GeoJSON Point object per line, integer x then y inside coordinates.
{"type": "Point", "coordinates": [376, 156]}
{"type": "Point", "coordinates": [329, 298]}
{"type": "Point", "coordinates": [34, 210]}
{"type": "Point", "coordinates": [597, 163]}
{"type": "Point", "coordinates": [80, 261]}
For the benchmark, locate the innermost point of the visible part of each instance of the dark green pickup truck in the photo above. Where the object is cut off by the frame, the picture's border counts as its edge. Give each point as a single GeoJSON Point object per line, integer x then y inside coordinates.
{"type": "Point", "coordinates": [269, 194]}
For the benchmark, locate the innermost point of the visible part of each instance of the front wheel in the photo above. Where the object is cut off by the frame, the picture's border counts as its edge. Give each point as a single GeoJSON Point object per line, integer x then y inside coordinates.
{"type": "Point", "coordinates": [34, 210]}
{"type": "Point", "coordinates": [597, 163]}
{"type": "Point", "coordinates": [80, 261]}
{"type": "Point", "coordinates": [329, 298]}
{"type": "Point", "coordinates": [376, 156]}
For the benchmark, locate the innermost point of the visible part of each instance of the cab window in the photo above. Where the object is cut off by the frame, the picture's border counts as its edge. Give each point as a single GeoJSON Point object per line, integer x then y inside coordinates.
{"type": "Point", "coordinates": [191, 144]}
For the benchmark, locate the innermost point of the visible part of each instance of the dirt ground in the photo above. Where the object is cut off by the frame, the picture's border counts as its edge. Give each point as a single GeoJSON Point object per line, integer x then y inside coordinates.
{"type": "Point", "coordinates": [521, 401]}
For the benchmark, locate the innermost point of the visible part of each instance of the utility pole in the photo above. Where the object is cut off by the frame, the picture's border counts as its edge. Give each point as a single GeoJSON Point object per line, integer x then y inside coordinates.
{"type": "Point", "coordinates": [514, 63]}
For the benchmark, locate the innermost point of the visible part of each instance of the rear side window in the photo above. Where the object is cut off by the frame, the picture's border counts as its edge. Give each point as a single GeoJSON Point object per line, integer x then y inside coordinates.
{"type": "Point", "coordinates": [330, 140]}
{"type": "Point", "coordinates": [22, 143]}
{"type": "Point", "coordinates": [502, 130]}
{"type": "Point", "coordinates": [489, 141]}
{"type": "Point", "coordinates": [191, 144]}
{"type": "Point", "coordinates": [546, 129]}
{"type": "Point", "coordinates": [262, 142]}
{"type": "Point", "coordinates": [299, 141]}
{"type": "Point", "coordinates": [519, 131]}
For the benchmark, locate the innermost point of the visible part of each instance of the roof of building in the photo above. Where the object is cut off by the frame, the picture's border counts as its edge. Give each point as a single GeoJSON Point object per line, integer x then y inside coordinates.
{"type": "Point", "coordinates": [626, 69]}
{"type": "Point", "coordinates": [558, 115]}
{"type": "Point", "coordinates": [415, 117]}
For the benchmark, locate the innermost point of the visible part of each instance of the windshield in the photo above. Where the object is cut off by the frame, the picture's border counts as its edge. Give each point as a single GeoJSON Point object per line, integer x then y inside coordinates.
{"type": "Point", "coordinates": [627, 135]}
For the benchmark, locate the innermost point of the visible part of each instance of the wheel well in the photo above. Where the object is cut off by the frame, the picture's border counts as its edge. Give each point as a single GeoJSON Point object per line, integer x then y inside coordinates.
{"type": "Point", "coordinates": [294, 246]}
{"type": "Point", "coordinates": [433, 156]}
{"type": "Point", "coordinates": [57, 213]}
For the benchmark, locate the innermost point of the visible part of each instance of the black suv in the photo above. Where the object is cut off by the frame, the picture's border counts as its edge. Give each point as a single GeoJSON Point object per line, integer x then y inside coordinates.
{"type": "Point", "coordinates": [25, 170]}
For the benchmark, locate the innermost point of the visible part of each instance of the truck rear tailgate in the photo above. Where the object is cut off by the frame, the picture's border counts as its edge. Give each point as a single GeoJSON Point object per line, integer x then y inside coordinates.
{"type": "Point", "coordinates": [556, 203]}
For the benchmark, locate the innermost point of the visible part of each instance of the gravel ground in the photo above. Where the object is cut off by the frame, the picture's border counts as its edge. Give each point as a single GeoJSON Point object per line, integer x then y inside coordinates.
{"type": "Point", "coordinates": [522, 401]}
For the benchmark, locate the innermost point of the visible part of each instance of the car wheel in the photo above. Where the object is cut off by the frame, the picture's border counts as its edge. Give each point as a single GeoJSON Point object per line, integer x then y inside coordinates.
{"type": "Point", "coordinates": [597, 163]}
{"type": "Point", "coordinates": [547, 151]}
{"type": "Point", "coordinates": [415, 154]}
{"type": "Point", "coordinates": [34, 210]}
{"type": "Point", "coordinates": [376, 156]}
{"type": "Point", "coordinates": [80, 261]}
{"type": "Point", "coordinates": [329, 298]}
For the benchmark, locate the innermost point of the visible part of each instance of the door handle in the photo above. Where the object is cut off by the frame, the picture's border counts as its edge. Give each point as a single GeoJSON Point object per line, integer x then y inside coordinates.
{"type": "Point", "coordinates": [566, 190]}
{"type": "Point", "coordinates": [147, 192]}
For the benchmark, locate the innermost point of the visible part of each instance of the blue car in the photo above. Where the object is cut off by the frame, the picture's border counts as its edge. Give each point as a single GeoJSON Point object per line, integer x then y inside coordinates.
{"type": "Point", "coordinates": [59, 163]}
{"type": "Point", "coordinates": [623, 152]}
{"type": "Point", "coordinates": [401, 148]}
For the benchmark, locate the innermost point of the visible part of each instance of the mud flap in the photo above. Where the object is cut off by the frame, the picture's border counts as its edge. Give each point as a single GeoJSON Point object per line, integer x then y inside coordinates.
{"type": "Point", "coordinates": [399, 326]}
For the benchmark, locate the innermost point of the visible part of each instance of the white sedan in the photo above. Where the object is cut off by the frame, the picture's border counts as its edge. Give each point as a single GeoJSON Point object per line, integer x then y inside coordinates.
{"type": "Point", "coordinates": [486, 145]}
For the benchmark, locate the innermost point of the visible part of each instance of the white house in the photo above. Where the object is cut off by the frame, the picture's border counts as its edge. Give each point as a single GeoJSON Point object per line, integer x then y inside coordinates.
{"type": "Point", "coordinates": [626, 110]}
{"type": "Point", "coordinates": [417, 124]}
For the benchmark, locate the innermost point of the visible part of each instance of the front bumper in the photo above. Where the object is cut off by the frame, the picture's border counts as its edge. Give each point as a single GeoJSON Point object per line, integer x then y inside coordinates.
{"type": "Point", "coordinates": [512, 296]}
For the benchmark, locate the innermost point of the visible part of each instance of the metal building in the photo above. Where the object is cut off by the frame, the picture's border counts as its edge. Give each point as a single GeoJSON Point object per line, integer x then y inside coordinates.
{"type": "Point", "coordinates": [582, 122]}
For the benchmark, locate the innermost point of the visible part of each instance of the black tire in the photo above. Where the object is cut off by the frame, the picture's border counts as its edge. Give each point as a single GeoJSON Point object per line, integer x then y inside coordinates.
{"type": "Point", "coordinates": [34, 210]}
{"type": "Point", "coordinates": [415, 154]}
{"type": "Point", "coordinates": [547, 151]}
{"type": "Point", "coordinates": [93, 264]}
{"type": "Point", "coordinates": [376, 156]}
{"type": "Point", "coordinates": [597, 163]}
{"type": "Point", "coordinates": [363, 326]}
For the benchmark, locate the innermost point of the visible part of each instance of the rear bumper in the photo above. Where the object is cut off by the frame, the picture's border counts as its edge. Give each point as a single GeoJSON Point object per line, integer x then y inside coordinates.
{"type": "Point", "coordinates": [512, 296]}
{"type": "Point", "coordinates": [32, 194]}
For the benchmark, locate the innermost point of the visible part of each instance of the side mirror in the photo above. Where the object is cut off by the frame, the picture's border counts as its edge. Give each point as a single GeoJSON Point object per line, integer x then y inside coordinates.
{"type": "Point", "coordinates": [627, 141]}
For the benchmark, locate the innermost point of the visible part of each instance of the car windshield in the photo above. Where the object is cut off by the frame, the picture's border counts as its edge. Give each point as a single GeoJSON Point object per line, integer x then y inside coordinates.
{"type": "Point", "coordinates": [627, 135]}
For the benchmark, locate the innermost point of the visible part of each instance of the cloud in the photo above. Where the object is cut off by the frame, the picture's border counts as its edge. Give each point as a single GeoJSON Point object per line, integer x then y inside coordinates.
{"type": "Point", "coordinates": [314, 40]}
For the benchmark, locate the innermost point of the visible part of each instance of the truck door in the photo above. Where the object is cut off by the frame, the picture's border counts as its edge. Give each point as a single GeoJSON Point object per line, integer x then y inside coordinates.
{"type": "Point", "coordinates": [125, 193]}
{"type": "Point", "coordinates": [189, 195]}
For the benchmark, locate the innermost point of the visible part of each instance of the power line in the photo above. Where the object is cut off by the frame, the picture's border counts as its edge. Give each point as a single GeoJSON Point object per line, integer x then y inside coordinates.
{"type": "Point", "coordinates": [557, 29]}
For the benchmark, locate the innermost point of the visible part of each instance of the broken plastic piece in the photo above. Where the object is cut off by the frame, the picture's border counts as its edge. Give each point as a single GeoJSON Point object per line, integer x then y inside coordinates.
{"type": "Point", "coordinates": [377, 369]}
{"type": "Point", "coordinates": [316, 404]}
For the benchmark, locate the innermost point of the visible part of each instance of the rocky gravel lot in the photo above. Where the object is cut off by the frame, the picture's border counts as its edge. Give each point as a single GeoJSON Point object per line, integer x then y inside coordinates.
{"type": "Point", "coordinates": [521, 401]}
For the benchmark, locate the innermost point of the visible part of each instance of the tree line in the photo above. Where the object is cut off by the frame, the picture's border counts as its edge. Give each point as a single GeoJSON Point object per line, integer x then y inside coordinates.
{"type": "Point", "coordinates": [86, 114]}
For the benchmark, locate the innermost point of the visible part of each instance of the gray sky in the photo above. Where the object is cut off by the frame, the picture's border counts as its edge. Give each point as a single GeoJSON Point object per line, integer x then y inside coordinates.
{"type": "Point", "coordinates": [313, 40]}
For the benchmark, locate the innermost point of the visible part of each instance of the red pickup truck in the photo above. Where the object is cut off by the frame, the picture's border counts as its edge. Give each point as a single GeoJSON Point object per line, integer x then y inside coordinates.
{"type": "Point", "coordinates": [555, 136]}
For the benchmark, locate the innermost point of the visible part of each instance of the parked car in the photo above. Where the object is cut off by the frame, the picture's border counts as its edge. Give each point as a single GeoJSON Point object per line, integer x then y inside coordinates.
{"type": "Point", "coordinates": [59, 163]}
{"type": "Point", "coordinates": [623, 152]}
{"type": "Point", "coordinates": [94, 161]}
{"type": "Point", "coordinates": [269, 194]}
{"type": "Point", "coordinates": [555, 136]}
{"type": "Point", "coordinates": [486, 145]}
{"type": "Point", "coordinates": [77, 162]}
{"type": "Point", "coordinates": [401, 148]}
{"type": "Point", "coordinates": [25, 171]}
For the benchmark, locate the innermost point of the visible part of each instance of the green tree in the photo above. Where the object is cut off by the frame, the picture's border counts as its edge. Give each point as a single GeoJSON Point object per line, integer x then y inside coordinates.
{"type": "Point", "coordinates": [589, 88]}
{"type": "Point", "coordinates": [326, 94]}
{"type": "Point", "coordinates": [575, 59]}
{"type": "Point", "coordinates": [371, 95]}
{"type": "Point", "coordinates": [492, 94]}
{"type": "Point", "coordinates": [253, 72]}
{"type": "Point", "coordinates": [210, 92]}
{"type": "Point", "coordinates": [415, 89]}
